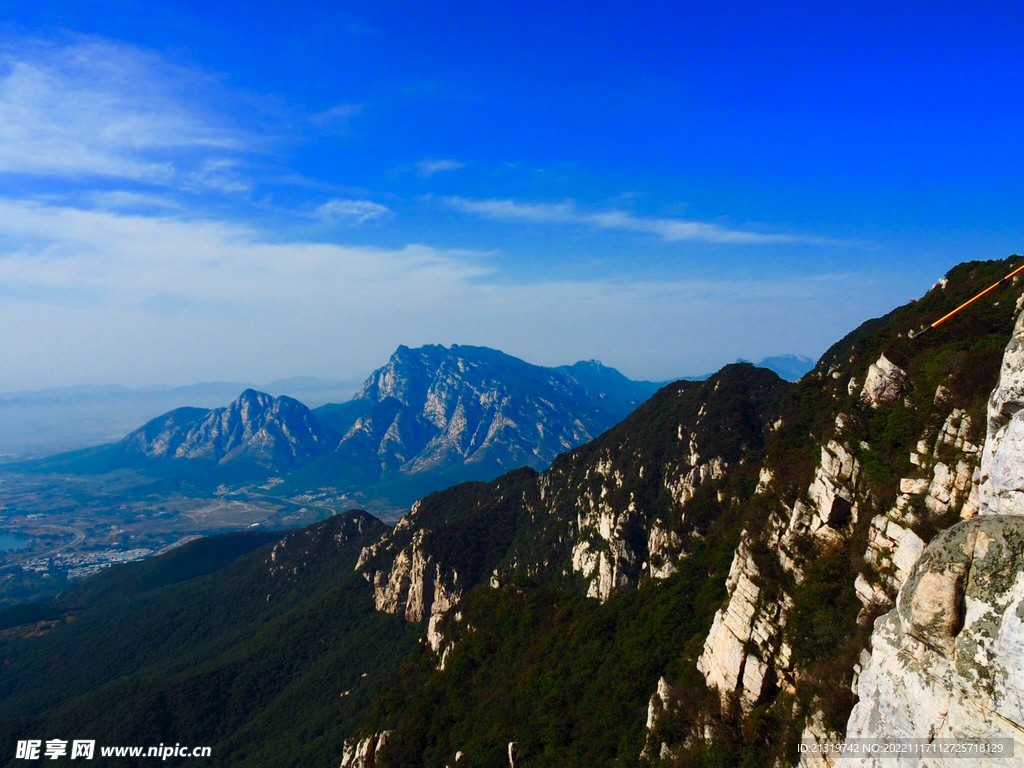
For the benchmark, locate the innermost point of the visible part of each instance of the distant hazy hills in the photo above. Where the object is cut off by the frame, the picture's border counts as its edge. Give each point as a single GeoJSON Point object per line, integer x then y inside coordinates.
{"type": "Point", "coordinates": [44, 421]}
{"type": "Point", "coordinates": [788, 367]}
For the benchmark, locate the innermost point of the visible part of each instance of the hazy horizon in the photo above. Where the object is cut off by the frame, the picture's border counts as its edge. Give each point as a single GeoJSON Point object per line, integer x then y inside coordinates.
{"type": "Point", "coordinates": [359, 378]}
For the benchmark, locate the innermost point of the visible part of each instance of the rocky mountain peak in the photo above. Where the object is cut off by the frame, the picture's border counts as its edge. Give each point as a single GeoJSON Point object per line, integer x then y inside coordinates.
{"type": "Point", "coordinates": [472, 412]}
{"type": "Point", "coordinates": [277, 432]}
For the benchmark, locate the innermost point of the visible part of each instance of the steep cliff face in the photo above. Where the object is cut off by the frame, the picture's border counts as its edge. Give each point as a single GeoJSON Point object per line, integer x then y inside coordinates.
{"type": "Point", "coordinates": [894, 417]}
{"type": "Point", "coordinates": [269, 431]}
{"type": "Point", "coordinates": [945, 662]}
{"type": "Point", "coordinates": [629, 505]}
{"type": "Point", "coordinates": [364, 753]}
{"type": "Point", "coordinates": [1002, 470]}
{"type": "Point", "coordinates": [746, 636]}
{"type": "Point", "coordinates": [450, 542]}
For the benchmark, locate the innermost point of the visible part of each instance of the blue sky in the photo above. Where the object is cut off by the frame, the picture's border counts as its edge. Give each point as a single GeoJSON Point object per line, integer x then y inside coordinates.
{"type": "Point", "coordinates": [259, 190]}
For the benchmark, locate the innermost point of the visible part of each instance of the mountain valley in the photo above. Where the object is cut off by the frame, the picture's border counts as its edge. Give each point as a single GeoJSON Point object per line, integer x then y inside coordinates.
{"type": "Point", "coordinates": [431, 417]}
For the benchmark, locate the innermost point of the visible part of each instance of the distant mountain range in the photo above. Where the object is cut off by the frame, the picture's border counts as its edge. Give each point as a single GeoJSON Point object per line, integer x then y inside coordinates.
{"type": "Point", "coordinates": [789, 367]}
{"type": "Point", "coordinates": [42, 422]}
{"type": "Point", "coordinates": [430, 417]}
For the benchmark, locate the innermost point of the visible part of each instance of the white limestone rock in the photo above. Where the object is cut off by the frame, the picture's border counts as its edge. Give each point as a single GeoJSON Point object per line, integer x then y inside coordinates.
{"type": "Point", "coordinates": [1002, 475]}
{"type": "Point", "coordinates": [364, 753]}
{"type": "Point", "coordinates": [833, 490]}
{"type": "Point", "coordinates": [416, 585]}
{"type": "Point", "coordinates": [945, 663]}
{"type": "Point", "coordinates": [884, 382]}
{"type": "Point", "coordinates": [892, 551]}
{"type": "Point", "coordinates": [660, 701]}
{"type": "Point", "coordinates": [746, 637]}
{"type": "Point", "coordinates": [764, 480]}
{"type": "Point", "coordinates": [816, 732]}
{"type": "Point", "coordinates": [662, 546]}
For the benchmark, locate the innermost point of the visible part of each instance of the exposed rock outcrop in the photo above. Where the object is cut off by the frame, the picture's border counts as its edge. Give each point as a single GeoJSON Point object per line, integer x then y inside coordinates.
{"type": "Point", "coordinates": [364, 753]}
{"type": "Point", "coordinates": [946, 662]}
{"type": "Point", "coordinates": [893, 546]}
{"type": "Point", "coordinates": [745, 642]}
{"type": "Point", "coordinates": [618, 540]}
{"type": "Point", "coordinates": [884, 382]}
{"type": "Point", "coordinates": [1002, 471]}
{"type": "Point", "coordinates": [660, 701]}
{"type": "Point", "coordinates": [416, 585]}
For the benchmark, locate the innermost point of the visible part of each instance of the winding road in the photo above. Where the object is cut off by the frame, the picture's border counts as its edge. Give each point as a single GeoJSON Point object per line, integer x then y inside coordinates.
{"type": "Point", "coordinates": [79, 537]}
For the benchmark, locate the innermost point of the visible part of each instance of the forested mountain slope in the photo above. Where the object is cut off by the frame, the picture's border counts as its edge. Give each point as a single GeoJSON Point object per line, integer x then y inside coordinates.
{"type": "Point", "coordinates": [791, 554]}
{"type": "Point", "coordinates": [251, 659]}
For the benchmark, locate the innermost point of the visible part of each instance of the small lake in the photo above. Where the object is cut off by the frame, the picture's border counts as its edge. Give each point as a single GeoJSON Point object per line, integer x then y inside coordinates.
{"type": "Point", "coordinates": [12, 541]}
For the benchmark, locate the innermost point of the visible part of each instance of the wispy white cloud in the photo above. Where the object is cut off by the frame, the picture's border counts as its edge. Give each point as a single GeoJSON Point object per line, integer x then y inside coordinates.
{"type": "Point", "coordinates": [352, 211]}
{"type": "Point", "coordinates": [219, 175]}
{"type": "Point", "coordinates": [96, 108]}
{"type": "Point", "coordinates": [670, 230]}
{"type": "Point", "coordinates": [121, 199]}
{"type": "Point", "coordinates": [429, 167]}
{"type": "Point", "coordinates": [515, 210]}
{"type": "Point", "coordinates": [137, 296]}
{"type": "Point", "coordinates": [115, 256]}
{"type": "Point", "coordinates": [337, 119]}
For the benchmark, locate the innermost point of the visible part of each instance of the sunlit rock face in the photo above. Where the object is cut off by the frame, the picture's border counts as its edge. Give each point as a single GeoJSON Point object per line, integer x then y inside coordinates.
{"type": "Point", "coordinates": [947, 661]}
{"type": "Point", "coordinates": [1002, 472]}
{"type": "Point", "coordinates": [269, 431]}
{"type": "Point", "coordinates": [434, 407]}
{"type": "Point", "coordinates": [746, 635]}
{"type": "Point", "coordinates": [366, 752]}
{"type": "Point", "coordinates": [416, 586]}
{"type": "Point", "coordinates": [884, 382]}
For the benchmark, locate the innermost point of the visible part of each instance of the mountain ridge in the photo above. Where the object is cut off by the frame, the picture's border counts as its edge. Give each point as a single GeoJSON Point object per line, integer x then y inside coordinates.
{"type": "Point", "coordinates": [430, 417]}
